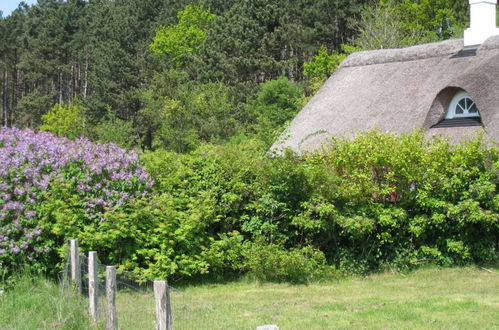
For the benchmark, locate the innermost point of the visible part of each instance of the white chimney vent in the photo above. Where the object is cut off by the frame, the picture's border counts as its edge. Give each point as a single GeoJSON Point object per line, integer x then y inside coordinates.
{"type": "Point", "coordinates": [482, 22]}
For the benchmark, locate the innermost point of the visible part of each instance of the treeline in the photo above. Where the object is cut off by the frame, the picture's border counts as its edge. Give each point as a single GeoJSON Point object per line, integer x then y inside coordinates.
{"type": "Point", "coordinates": [98, 51]}
{"type": "Point", "coordinates": [177, 73]}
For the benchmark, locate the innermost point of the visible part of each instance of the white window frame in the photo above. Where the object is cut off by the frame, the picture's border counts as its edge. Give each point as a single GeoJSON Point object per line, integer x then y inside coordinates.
{"type": "Point", "coordinates": [451, 112]}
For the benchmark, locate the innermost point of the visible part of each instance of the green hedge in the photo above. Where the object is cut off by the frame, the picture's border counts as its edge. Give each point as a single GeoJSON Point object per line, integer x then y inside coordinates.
{"type": "Point", "coordinates": [362, 205]}
{"type": "Point", "coordinates": [384, 199]}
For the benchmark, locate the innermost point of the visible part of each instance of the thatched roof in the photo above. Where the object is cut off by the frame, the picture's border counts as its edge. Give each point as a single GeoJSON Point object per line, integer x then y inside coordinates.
{"type": "Point", "coordinates": [398, 90]}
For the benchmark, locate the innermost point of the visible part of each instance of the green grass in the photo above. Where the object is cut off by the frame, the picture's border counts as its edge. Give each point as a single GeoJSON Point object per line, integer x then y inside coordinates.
{"type": "Point", "coordinates": [429, 298]}
{"type": "Point", "coordinates": [38, 303]}
{"type": "Point", "coordinates": [453, 298]}
{"type": "Point", "coordinates": [135, 310]}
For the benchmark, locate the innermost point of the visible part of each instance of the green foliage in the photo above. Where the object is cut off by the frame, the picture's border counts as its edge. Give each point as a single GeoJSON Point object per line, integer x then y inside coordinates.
{"type": "Point", "coordinates": [112, 129]}
{"type": "Point", "coordinates": [65, 120]}
{"type": "Point", "coordinates": [375, 201]}
{"type": "Point", "coordinates": [200, 196]}
{"type": "Point", "coordinates": [65, 214]}
{"type": "Point", "coordinates": [277, 102]}
{"type": "Point", "coordinates": [185, 38]}
{"type": "Point", "coordinates": [101, 52]}
{"type": "Point", "coordinates": [271, 262]}
{"type": "Point", "coordinates": [180, 115]}
{"type": "Point", "coordinates": [404, 199]}
{"type": "Point", "coordinates": [112, 54]}
{"type": "Point", "coordinates": [431, 18]}
{"type": "Point", "coordinates": [323, 65]}
{"type": "Point", "coordinates": [380, 28]}
{"type": "Point", "coordinates": [180, 231]}
{"type": "Point", "coordinates": [257, 41]}
{"type": "Point", "coordinates": [380, 200]}
{"type": "Point", "coordinates": [399, 23]}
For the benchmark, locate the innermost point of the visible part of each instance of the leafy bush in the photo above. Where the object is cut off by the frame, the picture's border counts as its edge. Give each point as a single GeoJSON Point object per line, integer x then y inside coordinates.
{"type": "Point", "coordinates": [375, 201]}
{"type": "Point", "coordinates": [385, 198]}
{"type": "Point", "coordinates": [401, 23]}
{"type": "Point", "coordinates": [182, 114]}
{"type": "Point", "coordinates": [112, 129]}
{"type": "Point", "coordinates": [379, 200]}
{"type": "Point", "coordinates": [277, 102]}
{"type": "Point", "coordinates": [65, 120]}
{"type": "Point", "coordinates": [52, 189]}
{"type": "Point", "coordinates": [322, 65]}
{"type": "Point", "coordinates": [184, 39]}
{"type": "Point", "coordinates": [272, 262]}
{"type": "Point", "coordinates": [198, 197]}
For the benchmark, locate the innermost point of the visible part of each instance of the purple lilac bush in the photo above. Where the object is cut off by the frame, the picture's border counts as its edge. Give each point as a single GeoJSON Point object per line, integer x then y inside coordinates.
{"type": "Point", "coordinates": [102, 177]}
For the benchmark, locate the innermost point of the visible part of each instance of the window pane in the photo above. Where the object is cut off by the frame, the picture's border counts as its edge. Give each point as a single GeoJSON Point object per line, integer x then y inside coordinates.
{"type": "Point", "coordinates": [462, 103]}
{"type": "Point", "coordinates": [459, 109]}
{"type": "Point", "coordinates": [473, 109]}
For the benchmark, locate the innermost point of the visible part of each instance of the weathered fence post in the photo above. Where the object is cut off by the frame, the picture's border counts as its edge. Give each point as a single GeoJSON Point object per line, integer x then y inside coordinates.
{"type": "Point", "coordinates": [164, 319]}
{"type": "Point", "coordinates": [75, 265]}
{"type": "Point", "coordinates": [112, 316]}
{"type": "Point", "coordinates": [93, 286]}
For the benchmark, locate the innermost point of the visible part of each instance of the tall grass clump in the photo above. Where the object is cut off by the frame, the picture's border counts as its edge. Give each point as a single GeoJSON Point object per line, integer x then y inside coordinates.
{"type": "Point", "coordinates": [38, 303]}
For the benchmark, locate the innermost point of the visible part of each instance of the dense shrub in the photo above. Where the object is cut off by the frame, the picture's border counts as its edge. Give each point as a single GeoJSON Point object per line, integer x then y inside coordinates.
{"type": "Point", "coordinates": [52, 189]}
{"type": "Point", "coordinates": [207, 207]}
{"type": "Point", "coordinates": [65, 120]}
{"type": "Point", "coordinates": [379, 200]}
{"type": "Point", "coordinates": [271, 262]}
{"type": "Point", "coordinates": [276, 103]}
{"type": "Point", "coordinates": [384, 198]}
{"type": "Point", "coordinates": [198, 197]}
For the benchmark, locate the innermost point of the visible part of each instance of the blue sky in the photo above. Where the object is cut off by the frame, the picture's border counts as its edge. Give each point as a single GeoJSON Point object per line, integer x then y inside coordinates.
{"type": "Point", "coordinates": [7, 6]}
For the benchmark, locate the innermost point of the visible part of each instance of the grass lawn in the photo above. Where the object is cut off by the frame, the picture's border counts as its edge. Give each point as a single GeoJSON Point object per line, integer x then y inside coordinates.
{"type": "Point", "coordinates": [458, 298]}
{"type": "Point", "coordinates": [452, 298]}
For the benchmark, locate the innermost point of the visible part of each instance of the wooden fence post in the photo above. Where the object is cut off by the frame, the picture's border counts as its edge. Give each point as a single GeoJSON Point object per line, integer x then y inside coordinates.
{"type": "Point", "coordinates": [93, 287]}
{"type": "Point", "coordinates": [164, 319]}
{"type": "Point", "coordinates": [112, 316]}
{"type": "Point", "coordinates": [75, 265]}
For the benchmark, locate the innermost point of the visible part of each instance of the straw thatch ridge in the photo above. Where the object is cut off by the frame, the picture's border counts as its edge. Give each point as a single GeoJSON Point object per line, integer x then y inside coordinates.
{"type": "Point", "coordinates": [398, 90]}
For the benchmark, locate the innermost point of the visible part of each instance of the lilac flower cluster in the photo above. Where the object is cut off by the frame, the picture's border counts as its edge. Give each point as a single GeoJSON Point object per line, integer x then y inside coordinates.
{"type": "Point", "coordinates": [103, 176]}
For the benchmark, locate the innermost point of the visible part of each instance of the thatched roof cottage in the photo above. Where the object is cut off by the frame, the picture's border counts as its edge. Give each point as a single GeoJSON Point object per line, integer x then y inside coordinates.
{"type": "Point", "coordinates": [447, 88]}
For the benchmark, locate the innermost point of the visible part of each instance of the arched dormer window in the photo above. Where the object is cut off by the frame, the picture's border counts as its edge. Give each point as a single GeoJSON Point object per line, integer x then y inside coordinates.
{"type": "Point", "coordinates": [453, 107]}
{"type": "Point", "coordinates": [462, 106]}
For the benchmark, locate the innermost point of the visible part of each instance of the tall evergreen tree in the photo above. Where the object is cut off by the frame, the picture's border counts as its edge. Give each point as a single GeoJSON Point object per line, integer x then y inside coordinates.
{"type": "Point", "coordinates": [257, 41]}
{"type": "Point", "coordinates": [12, 45]}
{"type": "Point", "coordinates": [96, 53]}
